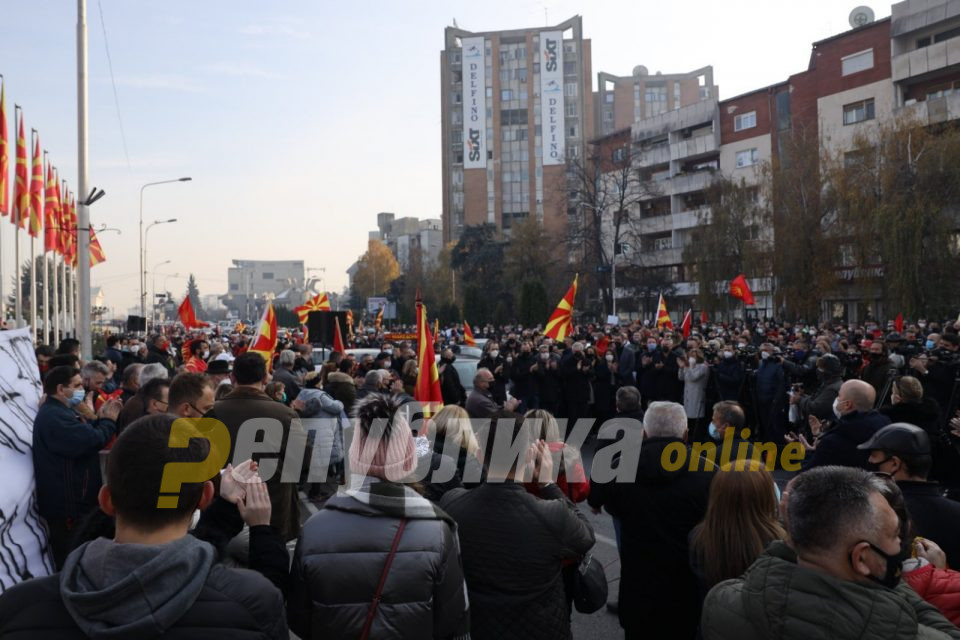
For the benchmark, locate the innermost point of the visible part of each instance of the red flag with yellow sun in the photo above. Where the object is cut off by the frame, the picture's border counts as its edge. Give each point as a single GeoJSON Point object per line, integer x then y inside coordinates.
{"type": "Point", "coordinates": [560, 324]}
{"type": "Point", "coordinates": [427, 389]}
{"type": "Point", "coordinates": [319, 302]}
{"type": "Point", "coordinates": [265, 340]}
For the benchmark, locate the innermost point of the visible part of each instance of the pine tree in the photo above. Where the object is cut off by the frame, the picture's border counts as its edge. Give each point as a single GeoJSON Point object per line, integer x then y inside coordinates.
{"type": "Point", "coordinates": [193, 292]}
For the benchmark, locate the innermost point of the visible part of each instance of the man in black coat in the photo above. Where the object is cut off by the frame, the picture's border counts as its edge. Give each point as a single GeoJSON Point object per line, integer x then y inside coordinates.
{"type": "Point", "coordinates": [903, 451]}
{"type": "Point", "coordinates": [451, 389]}
{"type": "Point", "coordinates": [659, 595]}
{"type": "Point", "coordinates": [152, 578]}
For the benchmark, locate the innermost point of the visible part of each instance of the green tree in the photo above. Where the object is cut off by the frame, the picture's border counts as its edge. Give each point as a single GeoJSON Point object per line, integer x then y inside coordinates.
{"type": "Point", "coordinates": [193, 292]}
{"type": "Point", "coordinates": [376, 270]}
{"type": "Point", "coordinates": [534, 309]}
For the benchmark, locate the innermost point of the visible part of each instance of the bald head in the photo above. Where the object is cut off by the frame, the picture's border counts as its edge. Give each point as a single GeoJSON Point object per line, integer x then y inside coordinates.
{"type": "Point", "coordinates": [858, 395]}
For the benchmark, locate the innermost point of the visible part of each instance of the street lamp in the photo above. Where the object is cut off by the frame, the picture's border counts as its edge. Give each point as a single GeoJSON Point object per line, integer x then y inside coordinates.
{"type": "Point", "coordinates": [153, 312]}
{"type": "Point", "coordinates": [143, 274]}
{"type": "Point", "coordinates": [143, 257]}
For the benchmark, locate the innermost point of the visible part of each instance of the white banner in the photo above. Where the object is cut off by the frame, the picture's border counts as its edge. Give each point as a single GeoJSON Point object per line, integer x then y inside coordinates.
{"type": "Point", "coordinates": [474, 104]}
{"type": "Point", "coordinates": [551, 97]}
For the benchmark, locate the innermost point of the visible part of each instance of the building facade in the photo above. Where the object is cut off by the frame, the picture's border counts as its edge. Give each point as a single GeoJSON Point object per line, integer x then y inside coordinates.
{"type": "Point", "coordinates": [402, 235]}
{"type": "Point", "coordinates": [250, 283]}
{"type": "Point", "coordinates": [516, 105]}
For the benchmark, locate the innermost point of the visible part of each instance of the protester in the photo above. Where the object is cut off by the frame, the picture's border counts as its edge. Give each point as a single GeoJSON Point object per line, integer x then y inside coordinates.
{"type": "Point", "coordinates": [379, 561]}
{"type": "Point", "coordinates": [513, 543]}
{"type": "Point", "coordinates": [453, 436]}
{"type": "Point", "coordinates": [191, 395]}
{"type": "Point", "coordinates": [284, 374]}
{"type": "Point", "coordinates": [158, 352]}
{"type": "Point", "coordinates": [152, 579]}
{"type": "Point", "coordinates": [838, 579]}
{"type": "Point", "coordinates": [694, 374]}
{"type": "Point", "coordinates": [199, 350]}
{"type": "Point", "coordinates": [481, 403]}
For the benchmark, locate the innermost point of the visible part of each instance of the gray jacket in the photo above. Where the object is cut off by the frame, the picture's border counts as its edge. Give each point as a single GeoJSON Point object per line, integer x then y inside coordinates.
{"type": "Point", "coordinates": [694, 388]}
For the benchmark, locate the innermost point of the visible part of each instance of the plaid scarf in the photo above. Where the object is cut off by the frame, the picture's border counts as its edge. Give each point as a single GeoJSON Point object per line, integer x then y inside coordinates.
{"type": "Point", "coordinates": [395, 500]}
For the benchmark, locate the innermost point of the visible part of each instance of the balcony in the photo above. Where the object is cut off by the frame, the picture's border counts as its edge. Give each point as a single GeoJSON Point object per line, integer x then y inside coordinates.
{"type": "Point", "coordinates": [688, 116]}
{"type": "Point", "coordinates": [687, 182]}
{"type": "Point", "coordinates": [679, 220]}
{"type": "Point", "coordinates": [933, 110]}
{"type": "Point", "coordinates": [929, 59]}
{"type": "Point", "coordinates": [654, 156]}
{"type": "Point", "coordinates": [698, 146]}
{"type": "Point", "coordinates": [662, 257]}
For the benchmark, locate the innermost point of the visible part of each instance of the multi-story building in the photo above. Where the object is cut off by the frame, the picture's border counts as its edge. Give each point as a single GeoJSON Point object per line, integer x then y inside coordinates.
{"type": "Point", "coordinates": [251, 282]}
{"type": "Point", "coordinates": [402, 235]}
{"type": "Point", "coordinates": [925, 50]}
{"type": "Point", "coordinates": [516, 105]}
{"type": "Point", "coordinates": [619, 101]}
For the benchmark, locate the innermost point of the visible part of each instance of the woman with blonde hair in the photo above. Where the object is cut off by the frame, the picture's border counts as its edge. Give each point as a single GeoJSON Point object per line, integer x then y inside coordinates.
{"type": "Point", "coordinates": [453, 440]}
{"type": "Point", "coordinates": [575, 486]}
{"type": "Point", "coordinates": [740, 522]}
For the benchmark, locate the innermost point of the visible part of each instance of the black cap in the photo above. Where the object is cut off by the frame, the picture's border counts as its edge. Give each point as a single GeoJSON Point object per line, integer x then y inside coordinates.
{"type": "Point", "coordinates": [899, 437]}
{"type": "Point", "coordinates": [218, 367]}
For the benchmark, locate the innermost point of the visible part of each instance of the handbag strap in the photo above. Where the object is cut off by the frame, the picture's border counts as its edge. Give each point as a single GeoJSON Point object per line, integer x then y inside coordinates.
{"type": "Point", "coordinates": [365, 634]}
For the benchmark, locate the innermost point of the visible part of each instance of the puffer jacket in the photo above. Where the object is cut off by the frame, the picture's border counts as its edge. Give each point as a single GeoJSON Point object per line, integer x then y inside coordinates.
{"type": "Point", "coordinates": [776, 598]}
{"type": "Point", "coordinates": [338, 563]}
{"type": "Point", "coordinates": [939, 587]}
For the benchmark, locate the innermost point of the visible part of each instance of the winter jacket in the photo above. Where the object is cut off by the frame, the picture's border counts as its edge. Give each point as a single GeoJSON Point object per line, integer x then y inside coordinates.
{"type": "Point", "coordinates": [66, 460]}
{"type": "Point", "coordinates": [547, 381]}
{"type": "Point", "coordinates": [669, 382]}
{"type": "Point", "coordinates": [838, 445]}
{"type": "Point", "coordinates": [924, 414]}
{"type": "Point", "coordinates": [694, 388]}
{"type": "Point", "coordinates": [451, 389]}
{"type": "Point", "coordinates": [481, 404]}
{"type": "Point", "coordinates": [342, 387]}
{"type": "Point", "coordinates": [338, 563]}
{"type": "Point", "coordinates": [573, 485]}
{"type": "Point", "coordinates": [771, 381]}
{"type": "Point", "coordinates": [934, 516]}
{"type": "Point", "coordinates": [245, 403]}
{"type": "Point", "coordinates": [632, 420]}
{"type": "Point", "coordinates": [327, 439]}
{"type": "Point", "coordinates": [776, 598]}
{"type": "Point", "coordinates": [290, 383]}
{"type": "Point", "coordinates": [877, 373]}
{"type": "Point", "coordinates": [939, 587]}
{"type": "Point", "coordinates": [174, 591]}
{"type": "Point", "coordinates": [729, 374]}
{"type": "Point", "coordinates": [657, 512]}
{"type": "Point", "coordinates": [513, 544]}
{"type": "Point", "coordinates": [163, 357]}
{"type": "Point", "coordinates": [820, 404]}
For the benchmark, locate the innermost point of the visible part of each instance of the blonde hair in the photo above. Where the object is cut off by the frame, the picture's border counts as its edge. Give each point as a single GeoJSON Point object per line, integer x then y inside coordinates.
{"type": "Point", "coordinates": [453, 423]}
{"type": "Point", "coordinates": [549, 429]}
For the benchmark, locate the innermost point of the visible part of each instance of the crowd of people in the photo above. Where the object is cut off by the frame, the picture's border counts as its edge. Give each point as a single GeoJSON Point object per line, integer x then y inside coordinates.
{"type": "Point", "coordinates": [425, 530]}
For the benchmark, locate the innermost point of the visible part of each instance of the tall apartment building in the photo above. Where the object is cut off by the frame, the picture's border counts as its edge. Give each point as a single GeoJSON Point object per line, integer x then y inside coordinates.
{"type": "Point", "coordinates": [515, 106]}
{"type": "Point", "coordinates": [401, 235]}
{"type": "Point", "coordinates": [619, 101]}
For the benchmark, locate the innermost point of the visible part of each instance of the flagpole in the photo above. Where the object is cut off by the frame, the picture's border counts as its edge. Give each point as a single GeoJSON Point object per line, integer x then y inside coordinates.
{"type": "Point", "coordinates": [56, 306]}
{"type": "Point", "coordinates": [45, 298]}
{"type": "Point", "coordinates": [33, 256]}
{"type": "Point", "coordinates": [83, 212]}
{"type": "Point", "coordinates": [18, 293]}
{"type": "Point", "coordinates": [3, 301]}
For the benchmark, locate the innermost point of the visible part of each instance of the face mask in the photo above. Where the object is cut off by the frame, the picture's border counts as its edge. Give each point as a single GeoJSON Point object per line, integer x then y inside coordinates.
{"type": "Point", "coordinates": [692, 361]}
{"type": "Point", "coordinates": [929, 344]}
{"type": "Point", "coordinates": [764, 355]}
{"type": "Point", "coordinates": [283, 397]}
{"type": "Point", "coordinates": [494, 353]}
{"type": "Point", "coordinates": [712, 430]}
{"type": "Point", "coordinates": [194, 519]}
{"type": "Point", "coordinates": [77, 397]}
{"type": "Point", "coordinates": [743, 345]}
{"type": "Point", "coordinates": [544, 356]}
{"type": "Point", "coordinates": [386, 364]}
{"type": "Point", "coordinates": [134, 348]}
{"type": "Point", "coordinates": [728, 354]}
{"type": "Point", "coordinates": [205, 355]}
{"type": "Point", "coordinates": [836, 411]}
{"type": "Point", "coordinates": [608, 357]}
{"type": "Point", "coordinates": [894, 563]}
{"type": "Point", "coordinates": [922, 325]}
{"type": "Point", "coordinates": [874, 467]}
{"type": "Point", "coordinates": [651, 347]}
{"type": "Point", "coordinates": [451, 359]}
{"type": "Point", "coordinates": [388, 351]}
{"type": "Point", "coordinates": [125, 349]}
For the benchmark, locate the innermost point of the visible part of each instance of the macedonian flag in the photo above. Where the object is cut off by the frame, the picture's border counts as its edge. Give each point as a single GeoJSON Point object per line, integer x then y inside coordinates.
{"type": "Point", "coordinates": [468, 335]}
{"type": "Point", "coordinates": [427, 389]}
{"type": "Point", "coordinates": [319, 302]}
{"type": "Point", "coordinates": [560, 324]}
{"type": "Point", "coordinates": [265, 340]}
{"type": "Point", "coordinates": [663, 318]}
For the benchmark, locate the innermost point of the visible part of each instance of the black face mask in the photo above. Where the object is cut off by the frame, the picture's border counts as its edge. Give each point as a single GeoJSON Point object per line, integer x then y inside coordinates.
{"type": "Point", "coordinates": [894, 563]}
{"type": "Point", "coordinates": [874, 467]}
{"type": "Point", "coordinates": [450, 359]}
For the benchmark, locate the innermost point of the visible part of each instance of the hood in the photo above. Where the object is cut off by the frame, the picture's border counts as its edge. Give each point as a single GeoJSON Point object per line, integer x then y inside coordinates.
{"type": "Point", "coordinates": [650, 469]}
{"type": "Point", "coordinates": [132, 590]}
{"type": "Point", "coordinates": [784, 600]}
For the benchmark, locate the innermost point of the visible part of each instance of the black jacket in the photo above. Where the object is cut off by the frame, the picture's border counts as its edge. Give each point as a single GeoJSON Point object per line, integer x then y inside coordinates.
{"type": "Point", "coordinates": [729, 374]}
{"type": "Point", "coordinates": [156, 355]}
{"type": "Point", "coordinates": [657, 513]}
{"type": "Point", "coordinates": [143, 591]}
{"type": "Point", "coordinates": [451, 389]}
{"type": "Point", "coordinates": [598, 490]}
{"type": "Point", "coordinates": [838, 444]}
{"type": "Point", "coordinates": [934, 517]}
{"type": "Point", "coordinates": [338, 563]}
{"type": "Point", "coordinates": [513, 544]}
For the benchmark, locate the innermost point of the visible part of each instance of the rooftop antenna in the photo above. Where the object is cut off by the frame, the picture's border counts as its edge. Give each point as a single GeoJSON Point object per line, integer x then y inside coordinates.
{"type": "Point", "coordinates": [546, 16]}
{"type": "Point", "coordinates": [861, 16]}
{"type": "Point", "coordinates": [455, 25]}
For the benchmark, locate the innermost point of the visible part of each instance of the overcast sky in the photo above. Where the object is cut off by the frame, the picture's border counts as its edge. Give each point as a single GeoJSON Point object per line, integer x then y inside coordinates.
{"type": "Point", "coordinates": [300, 120]}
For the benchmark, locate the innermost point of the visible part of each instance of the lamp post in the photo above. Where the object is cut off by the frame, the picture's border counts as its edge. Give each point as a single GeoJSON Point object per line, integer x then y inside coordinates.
{"type": "Point", "coordinates": [153, 287]}
{"type": "Point", "coordinates": [143, 258]}
{"type": "Point", "coordinates": [143, 273]}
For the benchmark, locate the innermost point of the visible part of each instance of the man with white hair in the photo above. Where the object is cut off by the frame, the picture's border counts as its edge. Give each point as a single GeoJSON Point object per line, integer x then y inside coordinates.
{"type": "Point", "coordinates": [657, 511]}
{"type": "Point", "coordinates": [284, 373]}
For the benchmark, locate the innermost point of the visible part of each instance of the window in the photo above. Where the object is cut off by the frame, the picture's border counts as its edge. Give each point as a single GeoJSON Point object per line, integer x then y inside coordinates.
{"type": "Point", "coordinates": [569, 68]}
{"type": "Point", "coordinates": [572, 133]}
{"type": "Point", "coordinates": [946, 35]}
{"type": "Point", "coordinates": [944, 89]}
{"type": "Point", "coordinates": [923, 42]}
{"type": "Point", "coordinates": [570, 89]}
{"type": "Point", "coordinates": [608, 97]}
{"type": "Point", "coordinates": [457, 98]}
{"type": "Point", "coordinates": [489, 92]}
{"type": "Point", "coordinates": [620, 154]}
{"type": "Point", "coordinates": [783, 110]}
{"type": "Point", "coordinates": [661, 244]}
{"type": "Point", "coordinates": [857, 62]}
{"type": "Point", "coordinates": [747, 157]}
{"type": "Point", "coordinates": [521, 75]}
{"type": "Point", "coordinates": [676, 94]}
{"type": "Point", "coordinates": [571, 110]}
{"type": "Point", "coordinates": [656, 99]}
{"type": "Point", "coordinates": [506, 94]}
{"type": "Point", "coordinates": [745, 121]}
{"type": "Point", "coordinates": [268, 275]}
{"type": "Point", "coordinates": [234, 287]}
{"type": "Point", "coordinates": [858, 112]}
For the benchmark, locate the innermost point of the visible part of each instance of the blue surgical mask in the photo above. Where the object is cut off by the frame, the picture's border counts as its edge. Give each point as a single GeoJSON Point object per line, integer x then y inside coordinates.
{"type": "Point", "coordinates": [712, 429]}
{"type": "Point", "coordinates": [77, 397]}
{"type": "Point", "coordinates": [651, 347]}
{"type": "Point", "coordinates": [928, 344]}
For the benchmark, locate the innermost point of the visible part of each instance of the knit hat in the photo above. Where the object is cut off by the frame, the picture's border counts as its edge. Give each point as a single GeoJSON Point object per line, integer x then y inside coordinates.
{"type": "Point", "coordinates": [382, 444]}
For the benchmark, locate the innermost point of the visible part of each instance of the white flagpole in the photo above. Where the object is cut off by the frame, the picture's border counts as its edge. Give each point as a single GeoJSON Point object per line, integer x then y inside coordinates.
{"type": "Point", "coordinates": [83, 211]}
{"type": "Point", "coordinates": [45, 299]}
{"type": "Point", "coordinates": [18, 293]}
{"type": "Point", "coordinates": [33, 261]}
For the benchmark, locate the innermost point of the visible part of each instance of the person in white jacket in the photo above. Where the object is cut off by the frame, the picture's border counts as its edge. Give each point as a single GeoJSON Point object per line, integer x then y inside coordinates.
{"type": "Point", "coordinates": [695, 373]}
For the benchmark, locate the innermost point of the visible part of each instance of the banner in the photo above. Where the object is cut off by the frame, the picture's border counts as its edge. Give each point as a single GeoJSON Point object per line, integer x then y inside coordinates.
{"type": "Point", "coordinates": [551, 97]}
{"type": "Point", "coordinates": [23, 551]}
{"type": "Point", "coordinates": [474, 104]}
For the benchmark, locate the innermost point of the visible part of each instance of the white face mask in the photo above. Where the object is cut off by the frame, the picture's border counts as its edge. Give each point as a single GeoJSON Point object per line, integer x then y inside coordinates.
{"type": "Point", "coordinates": [692, 361]}
{"type": "Point", "coordinates": [728, 354]}
{"type": "Point", "coordinates": [764, 355]}
{"type": "Point", "coordinates": [494, 353]}
{"type": "Point", "coordinates": [836, 411]}
{"type": "Point", "coordinates": [386, 364]}
{"type": "Point", "coordinates": [609, 357]}
{"type": "Point", "coordinates": [205, 354]}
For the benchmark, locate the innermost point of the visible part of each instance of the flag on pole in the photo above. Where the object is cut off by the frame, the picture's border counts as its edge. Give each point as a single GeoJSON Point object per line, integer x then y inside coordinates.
{"type": "Point", "coordinates": [468, 335]}
{"type": "Point", "coordinates": [187, 315]}
{"type": "Point", "coordinates": [36, 191]}
{"type": "Point", "coordinates": [319, 302]}
{"type": "Point", "coordinates": [378, 321]}
{"type": "Point", "coordinates": [337, 337]}
{"type": "Point", "coordinates": [21, 189]}
{"type": "Point", "coordinates": [898, 323]}
{"type": "Point", "coordinates": [663, 318]}
{"type": "Point", "coordinates": [703, 317]}
{"type": "Point", "coordinates": [436, 328]}
{"type": "Point", "coordinates": [740, 289]}
{"type": "Point", "coordinates": [685, 325]}
{"type": "Point", "coordinates": [50, 213]}
{"type": "Point", "coordinates": [4, 155]}
{"type": "Point", "coordinates": [70, 228]}
{"type": "Point", "coordinates": [265, 340]}
{"type": "Point", "coordinates": [59, 210]}
{"type": "Point", "coordinates": [97, 256]}
{"type": "Point", "coordinates": [349, 323]}
{"type": "Point", "coordinates": [560, 324]}
{"type": "Point", "coordinates": [427, 389]}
